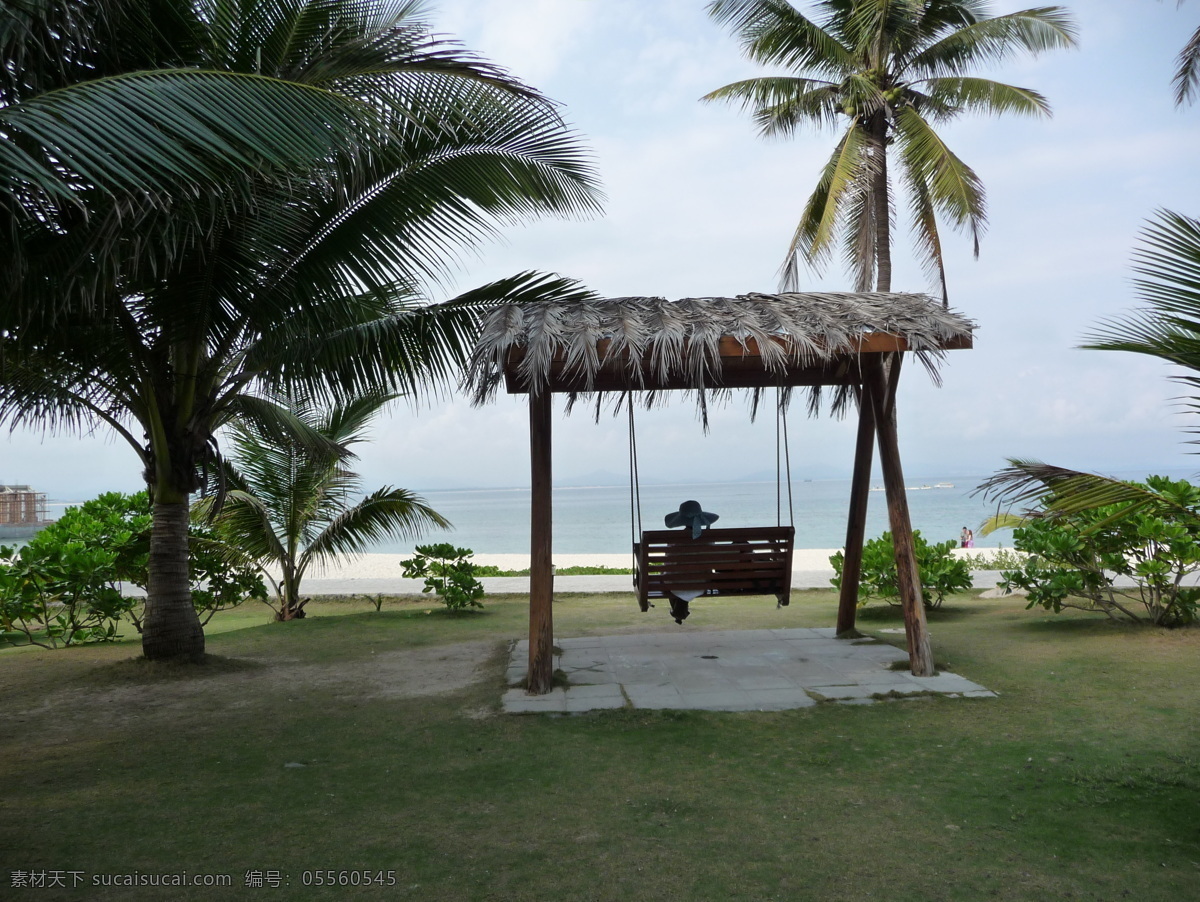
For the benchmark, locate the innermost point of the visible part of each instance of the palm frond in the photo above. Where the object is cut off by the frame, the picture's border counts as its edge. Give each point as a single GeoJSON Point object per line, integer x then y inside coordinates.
{"type": "Point", "coordinates": [1002, 520]}
{"type": "Point", "coordinates": [929, 241]}
{"type": "Point", "coordinates": [415, 349]}
{"type": "Point", "coordinates": [782, 105]}
{"type": "Point", "coordinates": [167, 131]}
{"type": "Point", "coordinates": [1187, 75]}
{"type": "Point", "coordinates": [245, 521]}
{"type": "Point", "coordinates": [951, 185]}
{"type": "Point", "coordinates": [1168, 265]}
{"type": "Point", "coordinates": [860, 228]}
{"type": "Point", "coordinates": [1060, 491]}
{"type": "Point", "coordinates": [847, 169]}
{"type": "Point", "coordinates": [994, 39]}
{"type": "Point", "coordinates": [951, 94]}
{"type": "Point", "coordinates": [279, 422]}
{"type": "Point", "coordinates": [775, 32]}
{"type": "Point", "coordinates": [384, 514]}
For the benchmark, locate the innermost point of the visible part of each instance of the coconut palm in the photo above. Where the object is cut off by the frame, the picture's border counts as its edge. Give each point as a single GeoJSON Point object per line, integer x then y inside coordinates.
{"type": "Point", "coordinates": [1168, 269]}
{"type": "Point", "coordinates": [292, 502]}
{"type": "Point", "coordinates": [112, 108]}
{"type": "Point", "coordinates": [892, 71]}
{"type": "Point", "coordinates": [304, 277]}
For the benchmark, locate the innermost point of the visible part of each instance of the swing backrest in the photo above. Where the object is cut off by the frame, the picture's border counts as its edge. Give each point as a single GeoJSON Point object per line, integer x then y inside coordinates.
{"type": "Point", "coordinates": [739, 561]}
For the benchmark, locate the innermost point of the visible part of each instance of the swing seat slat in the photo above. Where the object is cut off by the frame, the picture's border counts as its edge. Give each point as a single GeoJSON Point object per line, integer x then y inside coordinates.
{"type": "Point", "coordinates": [736, 561]}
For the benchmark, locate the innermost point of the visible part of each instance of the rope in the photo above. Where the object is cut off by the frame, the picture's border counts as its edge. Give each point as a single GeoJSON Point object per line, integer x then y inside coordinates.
{"type": "Point", "coordinates": [635, 487]}
{"type": "Point", "coordinates": [781, 438]}
{"type": "Point", "coordinates": [778, 468]}
{"type": "Point", "coordinates": [787, 460]}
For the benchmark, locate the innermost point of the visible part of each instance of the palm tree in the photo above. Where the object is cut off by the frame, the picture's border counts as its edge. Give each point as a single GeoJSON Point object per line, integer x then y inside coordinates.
{"type": "Point", "coordinates": [113, 108]}
{"type": "Point", "coordinates": [311, 277]}
{"type": "Point", "coordinates": [892, 70]}
{"type": "Point", "coordinates": [1168, 269]}
{"type": "Point", "coordinates": [290, 505]}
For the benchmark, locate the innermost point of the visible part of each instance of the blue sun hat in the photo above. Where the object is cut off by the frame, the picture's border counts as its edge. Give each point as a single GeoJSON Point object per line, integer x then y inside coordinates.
{"type": "Point", "coordinates": [691, 514]}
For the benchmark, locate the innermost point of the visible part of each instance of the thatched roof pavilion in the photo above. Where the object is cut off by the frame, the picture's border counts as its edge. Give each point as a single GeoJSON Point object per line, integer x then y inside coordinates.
{"type": "Point", "coordinates": [751, 341]}
{"type": "Point", "coordinates": [853, 342]}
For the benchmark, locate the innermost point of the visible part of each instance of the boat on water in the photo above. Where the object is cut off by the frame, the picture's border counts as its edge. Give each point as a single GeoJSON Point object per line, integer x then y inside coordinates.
{"type": "Point", "coordinates": [943, 485]}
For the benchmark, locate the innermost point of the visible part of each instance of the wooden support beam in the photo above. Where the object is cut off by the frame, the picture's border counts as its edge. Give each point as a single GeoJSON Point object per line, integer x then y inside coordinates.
{"type": "Point", "coordinates": [883, 378]}
{"type": "Point", "coordinates": [541, 573]}
{"type": "Point", "coordinates": [856, 522]}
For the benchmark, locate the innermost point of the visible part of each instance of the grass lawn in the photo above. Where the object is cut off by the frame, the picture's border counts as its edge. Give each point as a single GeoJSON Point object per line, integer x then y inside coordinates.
{"type": "Point", "coordinates": [321, 744]}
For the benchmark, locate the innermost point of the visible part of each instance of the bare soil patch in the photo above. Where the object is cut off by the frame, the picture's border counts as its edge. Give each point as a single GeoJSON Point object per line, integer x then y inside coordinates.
{"type": "Point", "coordinates": [133, 691]}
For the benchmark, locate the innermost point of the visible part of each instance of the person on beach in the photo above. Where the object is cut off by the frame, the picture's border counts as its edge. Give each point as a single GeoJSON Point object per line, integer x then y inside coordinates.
{"type": "Point", "coordinates": [693, 517]}
{"type": "Point", "coordinates": [967, 538]}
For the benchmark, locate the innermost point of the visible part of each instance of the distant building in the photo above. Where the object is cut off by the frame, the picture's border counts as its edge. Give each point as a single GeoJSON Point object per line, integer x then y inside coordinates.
{"type": "Point", "coordinates": [22, 511]}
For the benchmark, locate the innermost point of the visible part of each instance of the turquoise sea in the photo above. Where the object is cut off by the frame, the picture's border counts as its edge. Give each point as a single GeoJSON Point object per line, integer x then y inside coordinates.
{"type": "Point", "coordinates": [596, 519]}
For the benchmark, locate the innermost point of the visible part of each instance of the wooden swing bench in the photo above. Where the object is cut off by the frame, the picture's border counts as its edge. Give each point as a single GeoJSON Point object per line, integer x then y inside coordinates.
{"type": "Point", "coordinates": [738, 561]}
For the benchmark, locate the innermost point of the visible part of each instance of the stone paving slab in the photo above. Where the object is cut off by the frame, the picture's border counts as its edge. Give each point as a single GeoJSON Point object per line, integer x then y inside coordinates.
{"type": "Point", "coordinates": [724, 670]}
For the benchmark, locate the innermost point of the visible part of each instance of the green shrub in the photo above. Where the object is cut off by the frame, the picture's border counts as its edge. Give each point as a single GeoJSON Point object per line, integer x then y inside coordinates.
{"type": "Point", "coordinates": [579, 570]}
{"type": "Point", "coordinates": [61, 593]}
{"type": "Point", "coordinates": [64, 586]}
{"type": "Point", "coordinates": [447, 571]}
{"type": "Point", "coordinates": [1074, 559]}
{"type": "Point", "coordinates": [942, 573]}
{"type": "Point", "coordinates": [1000, 559]}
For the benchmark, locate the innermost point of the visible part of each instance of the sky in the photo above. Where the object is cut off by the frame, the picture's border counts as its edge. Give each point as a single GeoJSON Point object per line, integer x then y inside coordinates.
{"type": "Point", "coordinates": [697, 204]}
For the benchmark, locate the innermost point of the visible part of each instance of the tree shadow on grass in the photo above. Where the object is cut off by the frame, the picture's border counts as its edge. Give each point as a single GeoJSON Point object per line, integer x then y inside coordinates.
{"type": "Point", "coordinates": [141, 671]}
{"type": "Point", "coordinates": [1082, 624]}
{"type": "Point", "coordinates": [893, 615]}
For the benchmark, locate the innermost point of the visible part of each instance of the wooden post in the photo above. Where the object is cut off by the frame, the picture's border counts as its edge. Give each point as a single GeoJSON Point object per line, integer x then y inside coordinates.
{"type": "Point", "coordinates": [908, 577]}
{"type": "Point", "coordinates": [856, 522]}
{"type": "Point", "coordinates": [541, 574]}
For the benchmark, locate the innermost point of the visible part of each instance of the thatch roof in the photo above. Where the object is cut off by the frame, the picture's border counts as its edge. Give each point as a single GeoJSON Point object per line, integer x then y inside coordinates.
{"type": "Point", "coordinates": [705, 344]}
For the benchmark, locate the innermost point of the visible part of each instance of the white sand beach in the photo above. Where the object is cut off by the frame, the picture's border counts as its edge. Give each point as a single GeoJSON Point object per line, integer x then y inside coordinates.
{"type": "Point", "coordinates": [385, 566]}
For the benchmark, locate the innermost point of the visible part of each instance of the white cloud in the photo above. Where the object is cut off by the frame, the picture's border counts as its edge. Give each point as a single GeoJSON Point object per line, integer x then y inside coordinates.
{"type": "Point", "coordinates": [531, 38]}
{"type": "Point", "coordinates": [698, 204]}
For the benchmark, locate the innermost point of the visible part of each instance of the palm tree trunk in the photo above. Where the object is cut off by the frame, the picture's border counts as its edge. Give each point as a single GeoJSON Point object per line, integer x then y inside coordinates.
{"type": "Point", "coordinates": [290, 606]}
{"type": "Point", "coordinates": [881, 205]}
{"type": "Point", "coordinates": [172, 628]}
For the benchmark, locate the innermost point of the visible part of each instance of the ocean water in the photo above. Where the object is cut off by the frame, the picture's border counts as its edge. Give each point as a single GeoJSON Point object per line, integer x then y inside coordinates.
{"type": "Point", "coordinates": [596, 519]}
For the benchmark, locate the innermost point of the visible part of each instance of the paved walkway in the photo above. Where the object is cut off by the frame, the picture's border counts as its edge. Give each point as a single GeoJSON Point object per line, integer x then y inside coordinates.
{"type": "Point", "coordinates": [743, 670]}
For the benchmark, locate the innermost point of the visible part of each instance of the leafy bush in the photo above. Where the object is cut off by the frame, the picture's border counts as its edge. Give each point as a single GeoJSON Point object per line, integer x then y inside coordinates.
{"type": "Point", "coordinates": [64, 586]}
{"type": "Point", "coordinates": [447, 571]}
{"type": "Point", "coordinates": [61, 593]}
{"type": "Point", "coordinates": [1000, 559]}
{"type": "Point", "coordinates": [579, 570]}
{"type": "Point", "coordinates": [942, 573]}
{"type": "Point", "coordinates": [1074, 558]}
